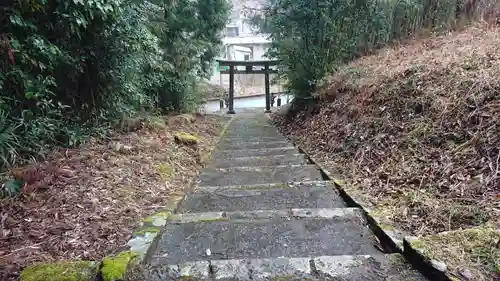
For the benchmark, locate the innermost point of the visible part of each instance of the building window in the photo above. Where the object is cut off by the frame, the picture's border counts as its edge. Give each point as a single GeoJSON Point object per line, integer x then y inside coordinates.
{"type": "Point", "coordinates": [232, 32]}
{"type": "Point", "coordinates": [247, 57]}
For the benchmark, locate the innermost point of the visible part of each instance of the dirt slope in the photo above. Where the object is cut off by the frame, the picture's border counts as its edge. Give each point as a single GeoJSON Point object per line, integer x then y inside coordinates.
{"type": "Point", "coordinates": [83, 203]}
{"type": "Point", "coordinates": [415, 130]}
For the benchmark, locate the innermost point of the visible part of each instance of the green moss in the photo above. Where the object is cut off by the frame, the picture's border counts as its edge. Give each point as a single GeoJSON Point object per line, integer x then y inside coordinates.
{"type": "Point", "coordinates": [114, 268]}
{"type": "Point", "coordinates": [381, 213]}
{"type": "Point", "coordinates": [185, 138]}
{"type": "Point", "coordinates": [338, 182]}
{"type": "Point", "coordinates": [417, 244]}
{"type": "Point", "coordinates": [215, 219]}
{"type": "Point", "coordinates": [400, 244]}
{"type": "Point", "coordinates": [148, 229]}
{"type": "Point", "coordinates": [148, 219]}
{"type": "Point", "coordinates": [155, 123]}
{"type": "Point", "coordinates": [62, 271]}
{"type": "Point", "coordinates": [178, 217]}
{"type": "Point", "coordinates": [166, 171]}
{"type": "Point", "coordinates": [475, 249]}
{"type": "Point", "coordinates": [386, 227]}
{"type": "Point", "coordinates": [257, 187]}
{"type": "Point", "coordinates": [164, 215]}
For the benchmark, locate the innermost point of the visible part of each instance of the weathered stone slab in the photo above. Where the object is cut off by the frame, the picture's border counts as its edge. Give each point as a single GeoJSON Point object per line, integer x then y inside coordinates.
{"type": "Point", "coordinates": [284, 214]}
{"type": "Point", "coordinates": [258, 175]}
{"type": "Point", "coordinates": [230, 200]}
{"type": "Point", "coordinates": [262, 269]}
{"type": "Point", "coordinates": [380, 267]}
{"type": "Point", "coordinates": [254, 145]}
{"type": "Point", "coordinates": [226, 154]}
{"type": "Point", "coordinates": [261, 161]}
{"type": "Point", "coordinates": [199, 270]}
{"type": "Point", "coordinates": [391, 267]}
{"type": "Point", "coordinates": [263, 239]}
{"type": "Point", "coordinates": [252, 131]}
{"type": "Point", "coordinates": [246, 139]}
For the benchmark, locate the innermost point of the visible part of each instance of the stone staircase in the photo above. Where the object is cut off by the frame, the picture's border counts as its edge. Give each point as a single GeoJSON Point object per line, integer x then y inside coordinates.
{"type": "Point", "coordinates": [260, 211]}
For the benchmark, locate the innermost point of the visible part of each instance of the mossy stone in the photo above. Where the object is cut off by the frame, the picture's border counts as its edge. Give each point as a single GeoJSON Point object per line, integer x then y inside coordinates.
{"type": "Point", "coordinates": [148, 229]}
{"type": "Point", "coordinates": [157, 216]}
{"type": "Point", "coordinates": [61, 271]}
{"type": "Point", "coordinates": [186, 139]}
{"type": "Point", "coordinates": [164, 214]}
{"type": "Point", "coordinates": [114, 268]}
{"type": "Point", "coordinates": [339, 182]}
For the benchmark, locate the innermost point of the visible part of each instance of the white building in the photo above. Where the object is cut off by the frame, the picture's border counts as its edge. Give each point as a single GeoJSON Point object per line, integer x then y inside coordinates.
{"type": "Point", "coordinates": [241, 42]}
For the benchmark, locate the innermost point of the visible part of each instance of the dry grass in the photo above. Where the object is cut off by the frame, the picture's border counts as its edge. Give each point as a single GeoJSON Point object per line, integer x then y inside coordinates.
{"type": "Point", "coordinates": [83, 203]}
{"type": "Point", "coordinates": [414, 129]}
{"type": "Point", "coordinates": [465, 252]}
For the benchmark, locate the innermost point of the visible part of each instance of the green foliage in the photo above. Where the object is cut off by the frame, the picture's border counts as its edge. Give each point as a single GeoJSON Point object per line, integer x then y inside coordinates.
{"type": "Point", "coordinates": [68, 69]}
{"type": "Point", "coordinates": [312, 38]}
{"type": "Point", "coordinates": [11, 188]}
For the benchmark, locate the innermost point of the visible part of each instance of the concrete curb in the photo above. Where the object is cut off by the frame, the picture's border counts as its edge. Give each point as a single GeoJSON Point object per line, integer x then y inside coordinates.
{"type": "Point", "coordinates": [296, 213]}
{"type": "Point", "coordinates": [395, 240]}
{"type": "Point", "coordinates": [281, 268]}
{"type": "Point", "coordinates": [425, 263]}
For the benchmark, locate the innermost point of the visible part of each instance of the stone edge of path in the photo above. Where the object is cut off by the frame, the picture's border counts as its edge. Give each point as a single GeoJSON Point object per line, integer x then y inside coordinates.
{"type": "Point", "coordinates": [296, 213]}
{"type": "Point", "coordinates": [272, 267]}
{"type": "Point", "coordinates": [280, 268]}
{"type": "Point", "coordinates": [138, 248]}
{"type": "Point", "coordinates": [396, 239]}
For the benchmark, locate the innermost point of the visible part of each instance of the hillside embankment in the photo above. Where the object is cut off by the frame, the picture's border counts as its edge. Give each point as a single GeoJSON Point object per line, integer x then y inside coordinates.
{"type": "Point", "coordinates": [84, 203]}
{"type": "Point", "coordinates": [414, 130]}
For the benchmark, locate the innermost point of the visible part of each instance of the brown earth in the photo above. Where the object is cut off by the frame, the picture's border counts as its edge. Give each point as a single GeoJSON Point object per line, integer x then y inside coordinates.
{"type": "Point", "coordinates": [414, 130]}
{"type": "Point", "coordinates": [83, 203]}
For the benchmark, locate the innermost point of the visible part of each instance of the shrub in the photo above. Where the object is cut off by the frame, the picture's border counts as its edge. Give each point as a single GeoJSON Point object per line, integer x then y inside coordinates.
{"type": "Point", "coordinates": [312, 38]}
{"type": "Point", "coordinates": [68, 69]}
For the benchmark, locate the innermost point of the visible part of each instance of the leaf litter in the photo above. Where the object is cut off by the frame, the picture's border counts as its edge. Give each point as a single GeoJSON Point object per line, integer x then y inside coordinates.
{"type": "Point", "coordinates": [414, 130]}
{"type": "Point", "coordinates": [83, 203]}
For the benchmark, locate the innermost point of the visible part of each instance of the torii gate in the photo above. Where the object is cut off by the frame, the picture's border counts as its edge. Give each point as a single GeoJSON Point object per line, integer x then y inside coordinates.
{"type": "Point", "coordinates": [249, 70]}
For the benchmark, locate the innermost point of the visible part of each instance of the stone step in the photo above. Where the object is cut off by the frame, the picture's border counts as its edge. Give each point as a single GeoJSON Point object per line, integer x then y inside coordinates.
{"type": "Point", "coordinates": [263, 234]}
{"type": "Point", "coordinates": [226, 139]}
{"type": "Point", "coordinates": [226, 154]}
{"type": "Point", "coordinates": [380, 267]}
{"type": "Point", "coordinates": [254, 132]}
{"type": "Point", "coordinates": [251, 124]}
{"type": "Point", "coordinates": [260, 161]}
{"type": "Point", "coordinates": [254, 145]}
{"type": "Point", "coordinates": [243, 134]}
{"type": "Point", "coordinates": [248, 176]}
{"type": "Point", "coordinates": [321, 194]}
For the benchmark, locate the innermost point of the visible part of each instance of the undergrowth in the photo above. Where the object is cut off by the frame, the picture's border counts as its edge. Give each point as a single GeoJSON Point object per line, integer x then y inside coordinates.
{"type": "Point", "coordinates": [414, 132]}
{"type": "Point", "coordinates": [71, 70]}
{"type": "Point", "coordinates": [312, 39]}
